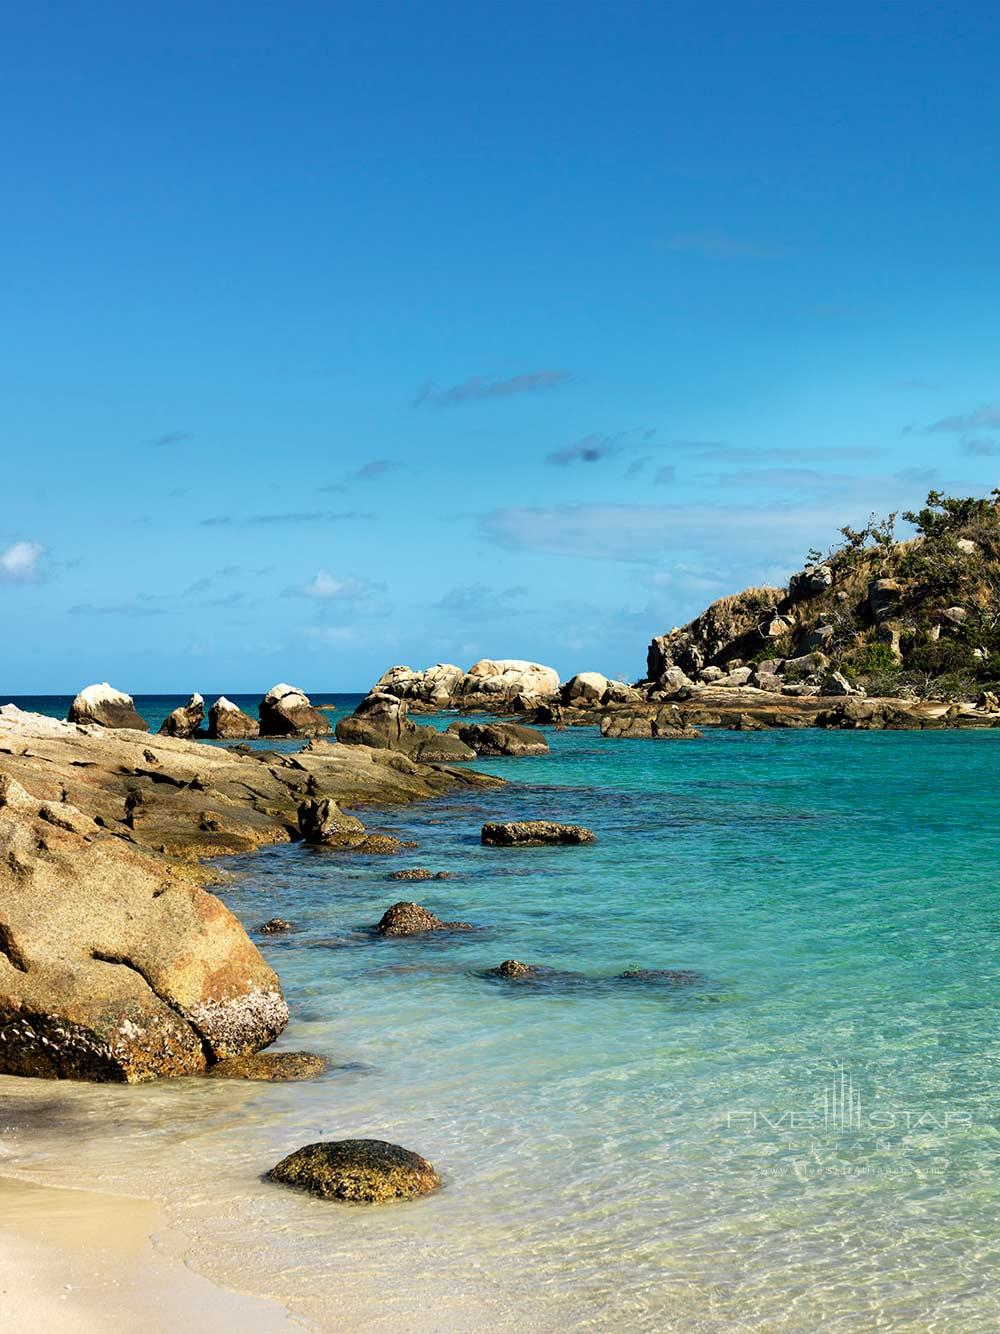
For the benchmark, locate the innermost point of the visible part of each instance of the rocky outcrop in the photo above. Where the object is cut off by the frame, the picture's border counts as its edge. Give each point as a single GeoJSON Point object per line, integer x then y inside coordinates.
{"type": "Point", "coordinates": [664, 725]}
{"type": "Point", "coordinates": [105, 706]}
{"type": "Point", "coordinates": [493, 739]}
{"type": "Point", "coordinates": [434, 688]}
{"type": "Point", "coordinates": [285, 711]}
{"type": "Point", "coordinates": [228, 723]}
{"type": "Point", "coordinates": [410, 919]}
{"type": "Point", "coordinates": [185, 721]}
{"type": "Point", "coordinates": [115, 963]}
{"type": "Point", "coordinates": [489, 685]}
{"type": "Point", "coordinates": [322, 821]}
{"type": "Point", "coordinates": [112, 966]}
{"type": "Point", "coordinates": [275, 926]}
{"type": "Point", "coordinates": [533, 833]}
{"type": "Point", "coordinates": [364, 1171]}
{"type": "Point", "coordinates": [591, 688]}
{"type": "Point", "coordinates": [382, 721]}
{"type": "Point", "coordinates": [418, 873]}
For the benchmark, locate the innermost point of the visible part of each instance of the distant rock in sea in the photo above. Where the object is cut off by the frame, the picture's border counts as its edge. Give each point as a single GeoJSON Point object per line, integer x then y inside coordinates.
{"type": "Point", "coordinates": [285, 711]}
{"type": "Point", "coordinates": [185, 721]}
{"type": "Point", "coordinates": [227, 722]}
{"type": "Point", "coordinates": [105, 706]}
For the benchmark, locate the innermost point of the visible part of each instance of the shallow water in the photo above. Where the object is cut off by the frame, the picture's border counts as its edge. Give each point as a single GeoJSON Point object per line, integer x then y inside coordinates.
{"type": "Point", "coordinates": [616, 1155]}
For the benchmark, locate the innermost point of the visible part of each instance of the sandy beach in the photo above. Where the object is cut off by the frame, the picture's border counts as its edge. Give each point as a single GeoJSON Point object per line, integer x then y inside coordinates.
{"type": "Point", "coordinates": [79, 1261]}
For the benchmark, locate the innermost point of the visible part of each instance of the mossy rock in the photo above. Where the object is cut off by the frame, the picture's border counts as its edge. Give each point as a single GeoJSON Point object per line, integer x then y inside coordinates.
{"type": "Point", "coordinates": [366, 1171]}
{"type": "Point", "coordinates": [279, 1066]}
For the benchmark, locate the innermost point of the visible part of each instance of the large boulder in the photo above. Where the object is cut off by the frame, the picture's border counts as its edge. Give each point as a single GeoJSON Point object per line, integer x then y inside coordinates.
{"type": "Point", "coordinates": [226, 722]}
{"type": "Point", "coordinates": [185, 721]}
{"type": "Point", "coordinates": [382, 721]}
{"type": "Point", "coordinates": [492, 739]}
{"type": "Point", "coordinates": [883, 599]}
{"type": "Point", "coordinates": [113, 966]}
{"type": "Point", "coordinates": [435, 687]}
{"type": "Point", "coordinates": [503, 678]}
{"type": "Point", "coordinates": [285, 711]}
{"type": "Point", "coordinates": [321, 821]}
{"type": "Point", "coordinates": [585, 688]}
{"type": "Point", "coordinates": [105, 706]}
{"type": "Point", "coordinates": [365, 1171]}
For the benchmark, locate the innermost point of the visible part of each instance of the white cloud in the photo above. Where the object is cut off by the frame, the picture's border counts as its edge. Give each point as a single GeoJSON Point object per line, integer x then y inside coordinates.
{"type": "Point", "coordinates": [20, 561]}
{"type": "Point", "coordinates": [326, 585]}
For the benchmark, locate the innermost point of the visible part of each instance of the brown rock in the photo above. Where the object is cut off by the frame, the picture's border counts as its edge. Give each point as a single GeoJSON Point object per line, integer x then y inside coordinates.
{"type": "Point", "coordinates": [534, 833]}
{"type": "Point", "coordinates": [278, 1066]}
{"type": "Point", "coordinates": [185, 721]}
{"type": "Point", "coordinates": [285, 711]}
{"type": "Point", "coordinates": [228, 723]}
{"type": "Point", "coordinates": [410, 919]}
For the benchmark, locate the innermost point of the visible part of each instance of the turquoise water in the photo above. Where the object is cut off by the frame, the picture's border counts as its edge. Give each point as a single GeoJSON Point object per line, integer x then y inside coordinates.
{"type": "Point", "coordinates": [621, 1156]}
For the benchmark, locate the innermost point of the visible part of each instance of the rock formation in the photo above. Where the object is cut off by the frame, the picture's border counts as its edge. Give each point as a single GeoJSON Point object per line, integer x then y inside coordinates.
{"type": "Point", "coordinates": [533, 833]}
{"type": "Point", "coordinates": [227, 722]}
{"type": "Point", "coordinates": [185, 721]}
{"type": "Point", "coordinates": [410, 919]}
{"type": "Point", "coordinates": [106, 707]}
{"type": "Point", "coordinates": [115, 963]}
{"type": "Point", "coordinates": [492, 739]}
{"type": "Point", "coordinates": [285, 711]}
{"type": "Point", "coordinates": [489, 684]}
{"type": "Point", "coordinates": [382, 721]}
{"type": "Point", "coordinates": [366, 1171]}
{"type": "Point", "coordinates": [113, 967]}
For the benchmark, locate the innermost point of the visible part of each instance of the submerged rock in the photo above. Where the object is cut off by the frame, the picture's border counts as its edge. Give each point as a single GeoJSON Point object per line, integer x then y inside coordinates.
{"type": "Point", "coordinates": [665, 977]}
{"type": "Point", "coordinates": [227, 722]}
{"type": "Point", "coordinates": [410, 919]}
{"type": "Point", "coordinates": [534, 833]}
{"type": "Point", "coordinates": [514, 968]}
{"type": "Point", "coordinates": [491, 739]}
{"type": "Point", "coordinates": [277, 1066]}
{"type": "Point", "coordinates": [275, 926]}
{"type": "Point", "coordinates": [185, 721]}
{"type": "Point", "coordinates": [368, 1171]}
{"type": "Point", "coordinates": [418, 873]}
{"type": "Point", "coordinates": [105, 706]}
{"type": "Point", "coordinates": [285, 711]}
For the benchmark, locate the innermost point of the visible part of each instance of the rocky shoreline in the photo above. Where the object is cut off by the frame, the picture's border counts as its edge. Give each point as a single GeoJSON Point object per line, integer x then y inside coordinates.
{"type": "Point", "coordinates": [116, 963]}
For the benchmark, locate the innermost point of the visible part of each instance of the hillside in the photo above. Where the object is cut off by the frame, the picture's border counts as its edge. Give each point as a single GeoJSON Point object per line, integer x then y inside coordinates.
{"type": "Point", "coordinates": [918, 617]}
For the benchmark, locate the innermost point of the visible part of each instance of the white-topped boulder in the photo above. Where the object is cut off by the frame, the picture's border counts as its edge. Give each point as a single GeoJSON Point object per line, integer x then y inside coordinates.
{"type": "Point", "coordinates": [105, 706]}
{"type": "Point", "coordinates": [285, 711]}
{"type": "Point", "coordinates": [226, 722]}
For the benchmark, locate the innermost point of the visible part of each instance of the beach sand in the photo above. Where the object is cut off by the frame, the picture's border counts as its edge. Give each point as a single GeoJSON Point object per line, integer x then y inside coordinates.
{"type": "Point", "coordinates": [80, 1261]}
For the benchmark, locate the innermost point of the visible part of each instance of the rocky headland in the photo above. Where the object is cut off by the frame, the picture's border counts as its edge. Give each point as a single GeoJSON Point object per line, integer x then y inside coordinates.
{"type": "Point", "coordinates": [116, 962]}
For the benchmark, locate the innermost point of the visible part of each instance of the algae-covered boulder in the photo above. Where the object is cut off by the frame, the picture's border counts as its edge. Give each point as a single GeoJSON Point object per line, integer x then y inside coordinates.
{"type": "Point", "coordinates": [411, 919]}
{"type": "Point", "coordinates": [277, 1066]}
{"type": "Point", "coordinates": [365, 1171]}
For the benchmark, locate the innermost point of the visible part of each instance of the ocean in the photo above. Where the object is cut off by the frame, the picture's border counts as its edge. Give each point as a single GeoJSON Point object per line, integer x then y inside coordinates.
{"type": "Point", "coordinates": [805, 1136]}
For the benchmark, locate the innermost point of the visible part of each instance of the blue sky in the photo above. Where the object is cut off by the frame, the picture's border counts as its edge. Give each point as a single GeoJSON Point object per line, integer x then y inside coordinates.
{"type": "Point", "coordinates": [343, 335]}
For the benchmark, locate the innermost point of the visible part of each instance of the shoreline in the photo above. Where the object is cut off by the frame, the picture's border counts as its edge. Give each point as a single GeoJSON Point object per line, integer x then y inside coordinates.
{"type": "Point", "coordinates": [80, 1260]}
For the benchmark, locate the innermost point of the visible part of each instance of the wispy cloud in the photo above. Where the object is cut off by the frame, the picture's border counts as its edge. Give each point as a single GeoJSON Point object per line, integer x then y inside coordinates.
{"type": "Point", "coordinates": [979, 447]}
{"type": "Point", "coordinates": [19, 563]}
{"type": "Point", "coordinates": [170, 438]}
{"type": "Point", "coordinates": [986, 416]}
{"type": "Point", "coordinates": [478, 388]}
{"type": "Point", "coordinates": [376, 468]}
{"type": "Point", "coordinates": [278, 520]}
{"type": "Point", "coordinates": [477, 599]}
{"type": "Point", "coordinates": [711, 244]}
{"type": "Point", "coordinates": [591, 449]}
